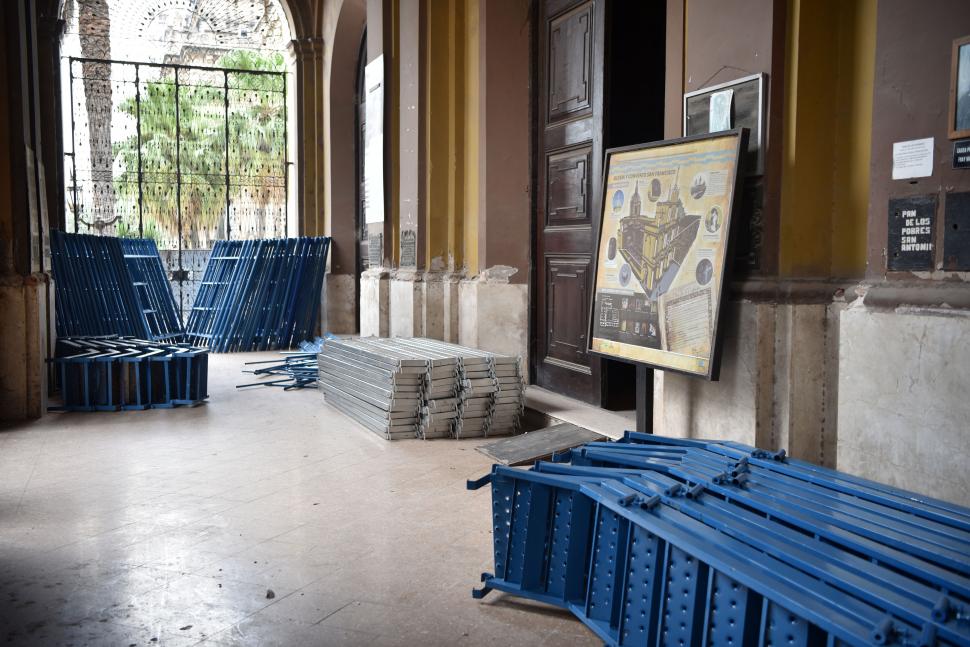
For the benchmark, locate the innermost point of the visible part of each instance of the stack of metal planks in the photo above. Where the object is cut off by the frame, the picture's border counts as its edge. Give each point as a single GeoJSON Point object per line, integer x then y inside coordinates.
{"type": "Point", "coordinates": [664, 541]}
{"type": "Point", "coordinates": [123, 373]}
{"type": "Point", "coordinates": [424, 388]}
{"type": "Point", "coordinates": [381, 391]}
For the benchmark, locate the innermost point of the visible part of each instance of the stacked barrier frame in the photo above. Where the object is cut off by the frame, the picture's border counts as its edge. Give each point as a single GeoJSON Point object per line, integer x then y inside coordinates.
{"type": "Point", "coordinates": [656, 541]}
{"type": "Point", "coordinates": [118, 373]}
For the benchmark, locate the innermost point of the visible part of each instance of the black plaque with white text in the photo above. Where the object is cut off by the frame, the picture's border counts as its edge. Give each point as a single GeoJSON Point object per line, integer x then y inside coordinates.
{"type": "Point", "coordinates": [911, 232]}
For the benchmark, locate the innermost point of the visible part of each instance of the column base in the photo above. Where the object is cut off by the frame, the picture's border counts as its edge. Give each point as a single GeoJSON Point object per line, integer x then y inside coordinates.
{"type": "Point", "coordinates": [494, 316]}
{"type": "Point", "coordinates": [375, 303]}
{"type": "Point", "coordinates": [24, 307]}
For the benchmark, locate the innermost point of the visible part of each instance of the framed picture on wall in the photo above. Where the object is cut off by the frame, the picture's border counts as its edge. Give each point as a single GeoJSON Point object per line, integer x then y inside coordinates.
{"type": "Point", "coordinates": [960, 89]}
{"type": "Point", "coordinates": [664, 249]}
{"type": "Point", "coordinates": [736, 104]}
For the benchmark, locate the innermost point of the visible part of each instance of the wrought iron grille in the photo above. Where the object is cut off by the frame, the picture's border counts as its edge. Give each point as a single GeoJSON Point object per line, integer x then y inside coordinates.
{"type": "Point", "coordinates": [182, 154]}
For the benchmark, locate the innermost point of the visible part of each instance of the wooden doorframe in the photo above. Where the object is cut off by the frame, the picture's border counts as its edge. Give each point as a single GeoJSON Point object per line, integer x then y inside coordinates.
{"type": "Point", "coordinates": [602, 371]}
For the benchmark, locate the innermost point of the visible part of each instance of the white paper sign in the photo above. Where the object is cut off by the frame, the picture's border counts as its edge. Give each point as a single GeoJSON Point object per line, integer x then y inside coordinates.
{"type": "Point", "coordinates": [913, 159]}
{"type": "Point", "coordinates": [374, 142]}
{"type": "Point", "coordinates": [719, 117]}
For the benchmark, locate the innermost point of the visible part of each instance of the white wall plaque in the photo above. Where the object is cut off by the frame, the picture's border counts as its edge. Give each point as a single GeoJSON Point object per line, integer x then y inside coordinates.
{"type": "Point", "coordinates": [913, 159]}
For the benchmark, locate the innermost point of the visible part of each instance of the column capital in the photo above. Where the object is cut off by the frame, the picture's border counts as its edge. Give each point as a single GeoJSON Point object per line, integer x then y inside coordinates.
{"type": "Point", "coordinates": [306, 48]}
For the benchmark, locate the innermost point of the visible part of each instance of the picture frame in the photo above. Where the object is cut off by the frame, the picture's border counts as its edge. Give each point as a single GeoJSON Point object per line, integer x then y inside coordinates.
{"type": "Point", "coordinates": [958, 126]}
{"type": "Point", "coordinates": [747, 110]}
{"type": "Point", "coordinates": [659, 278]}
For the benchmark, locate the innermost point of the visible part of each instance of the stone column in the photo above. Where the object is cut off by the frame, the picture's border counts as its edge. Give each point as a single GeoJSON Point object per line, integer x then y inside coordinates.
{"type": "Point", "coordinates": [307, 54]}
{"type": "Point", "coordinates": [24, 282]}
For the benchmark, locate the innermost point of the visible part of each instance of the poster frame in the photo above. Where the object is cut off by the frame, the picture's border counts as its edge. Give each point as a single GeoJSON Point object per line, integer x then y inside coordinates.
{"type": "Point", "coordinates": [760, 79]}
{"type": "Point", "coordinates": [952, 131]}
{"type": "Point", "coordinates": [741, 143]}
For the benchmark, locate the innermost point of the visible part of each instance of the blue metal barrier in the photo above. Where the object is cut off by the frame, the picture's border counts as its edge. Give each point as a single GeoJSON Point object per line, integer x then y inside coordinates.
{"type": "Point", "coordinates": [259, 294]}
{"type": "Point", "coordinates": [657, 541]}
{"type": "Point", "coordinates": [111, 286]}
{"type": "Point", "coordinates": [123, 373]}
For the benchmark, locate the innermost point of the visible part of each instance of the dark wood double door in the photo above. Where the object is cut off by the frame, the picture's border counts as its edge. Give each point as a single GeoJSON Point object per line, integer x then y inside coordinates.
{"type": "Point", "coordinates": [600, 69]}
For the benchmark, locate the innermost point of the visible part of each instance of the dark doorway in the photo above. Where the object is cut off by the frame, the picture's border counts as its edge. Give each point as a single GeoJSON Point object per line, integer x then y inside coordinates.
{"type": "Point", "coordinates": [600, 83]}
{"type": "Point", "coordinates": [360, 226]}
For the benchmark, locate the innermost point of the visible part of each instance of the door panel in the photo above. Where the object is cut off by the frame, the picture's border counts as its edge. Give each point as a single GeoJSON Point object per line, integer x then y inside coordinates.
{"type": "Point", "coordinates": [567, 191]}
{"type": "Point", "coordinates": [570, 59]}
{"type": "Point", "coordinates": [569, 142]}
{"type": "Point", "coordinates": [568, 288]}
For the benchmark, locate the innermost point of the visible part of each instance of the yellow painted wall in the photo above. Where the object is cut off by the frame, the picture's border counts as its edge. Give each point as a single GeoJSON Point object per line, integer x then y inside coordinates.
{"type": "Point", "coordinates": [444, 133]}
{"type": "Point", "coordinates": [470, 208]}
{"type": "Point", "coordinates": [827, 132]}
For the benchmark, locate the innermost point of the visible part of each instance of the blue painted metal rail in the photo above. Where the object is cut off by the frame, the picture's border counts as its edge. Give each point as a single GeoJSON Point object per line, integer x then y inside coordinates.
{"type": "Point", "coordinates": [658, 541]}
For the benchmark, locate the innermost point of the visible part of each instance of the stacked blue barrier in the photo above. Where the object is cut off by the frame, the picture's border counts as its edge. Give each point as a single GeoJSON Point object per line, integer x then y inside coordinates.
{"type": "Point", "coordinates": [259, 294]}
{"type": "Point", "coordinates": [111, 286]}
{"type": "Point", "coordinates": [123, 373]}
{"type": "Point", "coordinates": [660, 541]}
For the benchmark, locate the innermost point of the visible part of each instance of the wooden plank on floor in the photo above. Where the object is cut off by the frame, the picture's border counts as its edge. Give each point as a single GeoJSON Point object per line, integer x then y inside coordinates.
{"type": "Point", "coordinates": [529, 447]}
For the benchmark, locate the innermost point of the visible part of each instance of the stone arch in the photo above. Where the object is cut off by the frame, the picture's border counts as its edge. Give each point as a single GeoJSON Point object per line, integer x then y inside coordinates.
{"type": "Point", "coordinates": [344, 24]}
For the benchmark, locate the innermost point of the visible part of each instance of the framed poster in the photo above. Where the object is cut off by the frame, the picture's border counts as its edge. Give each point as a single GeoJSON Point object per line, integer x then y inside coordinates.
{"type": "Point", "coordinates": [664, 250]}
{"type": "Point", "coordinates": [735, 104]}
{"type": "Point", "coordinates": [960, 89]}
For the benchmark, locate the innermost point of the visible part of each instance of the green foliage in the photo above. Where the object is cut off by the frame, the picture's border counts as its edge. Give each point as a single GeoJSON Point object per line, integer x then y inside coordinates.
{"type": "Point", "coordinates": [194, 145]}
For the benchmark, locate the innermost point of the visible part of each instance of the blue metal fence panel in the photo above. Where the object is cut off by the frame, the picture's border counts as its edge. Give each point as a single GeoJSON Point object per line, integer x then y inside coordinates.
{"type": "Point", "coordinates": [656, 541]}
{"type": "Point", "coordinates": [111, 286]}
{"type": "Point", "coordinates": [259, 294]}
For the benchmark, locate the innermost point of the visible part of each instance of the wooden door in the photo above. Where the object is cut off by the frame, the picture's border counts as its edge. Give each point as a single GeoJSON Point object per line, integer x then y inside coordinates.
{"type": "Point", "coordinates": [569, 152]}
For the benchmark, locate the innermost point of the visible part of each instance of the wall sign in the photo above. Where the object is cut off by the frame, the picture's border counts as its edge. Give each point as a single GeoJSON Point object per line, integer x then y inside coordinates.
{"type": "Point", "coordinates": [961, 154]}
{"type": "Point", "coordinates": [374, 141]}
{"type": "Point", "coordinates": [911, 233]}
{"type": "Point", "coordinates": [956, 233]}
{"type": "Point", "coordinates": [912, 159]}
{"type": "Point", "coordinates": [409, 249]}
{"type": "Point", "coordinates": [662, 252]}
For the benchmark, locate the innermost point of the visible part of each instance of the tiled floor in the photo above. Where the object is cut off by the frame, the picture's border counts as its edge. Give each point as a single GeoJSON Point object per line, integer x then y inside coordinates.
{"type": "Point", "coordinates": [261, 518]}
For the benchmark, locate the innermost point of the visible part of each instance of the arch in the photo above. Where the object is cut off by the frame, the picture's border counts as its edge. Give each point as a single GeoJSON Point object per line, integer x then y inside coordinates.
{"type": "Point", "coordinates": [344, 27]}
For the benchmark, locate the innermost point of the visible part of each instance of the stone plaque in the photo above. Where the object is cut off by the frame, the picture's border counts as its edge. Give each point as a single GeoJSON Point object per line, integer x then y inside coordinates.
{"type": "Point", "coordinates": [956, 234]}
{"type": "Point", "coordinates": [409, 248]}
{"type": "Point", "coordinates": [911, 233]}
{"type": "Point", "coordinates": [375, 245]}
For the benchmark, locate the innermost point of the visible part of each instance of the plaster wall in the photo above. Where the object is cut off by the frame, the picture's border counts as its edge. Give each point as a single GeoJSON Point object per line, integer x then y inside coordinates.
{"type": "Point", "coordinates": [903, 405]}
{"type": "Point", "coordinates": [777, 385]}
{"type": "Point", "coordinates": [340, 299]}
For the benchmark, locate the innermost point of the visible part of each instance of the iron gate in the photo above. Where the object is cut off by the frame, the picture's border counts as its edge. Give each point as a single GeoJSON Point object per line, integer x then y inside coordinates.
{"type": "Point", "coordinates": [181, 154]}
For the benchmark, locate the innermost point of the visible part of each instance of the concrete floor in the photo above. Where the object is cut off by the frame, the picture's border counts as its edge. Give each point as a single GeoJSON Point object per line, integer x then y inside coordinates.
{"type": "Point", "coordinates": [169, 527]}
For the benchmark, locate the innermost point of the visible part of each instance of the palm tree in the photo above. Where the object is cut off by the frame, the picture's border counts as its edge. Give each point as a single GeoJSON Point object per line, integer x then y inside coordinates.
{"type": "Point", "coordinates": [94, 32]}
{"type": "Point", "coordinates": [256, 151]}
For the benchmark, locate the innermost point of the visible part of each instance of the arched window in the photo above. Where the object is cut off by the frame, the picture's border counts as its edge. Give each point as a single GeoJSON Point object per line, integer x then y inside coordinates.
{"type": "Point", "coordinates": [176, 124]}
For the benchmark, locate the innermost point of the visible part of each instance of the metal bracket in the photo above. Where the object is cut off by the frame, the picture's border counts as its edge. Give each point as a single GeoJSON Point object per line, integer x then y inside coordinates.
{"type": "Point", "coordinates": [477, 483]}
{"type": "Point", "coordinates": [478, 594]}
